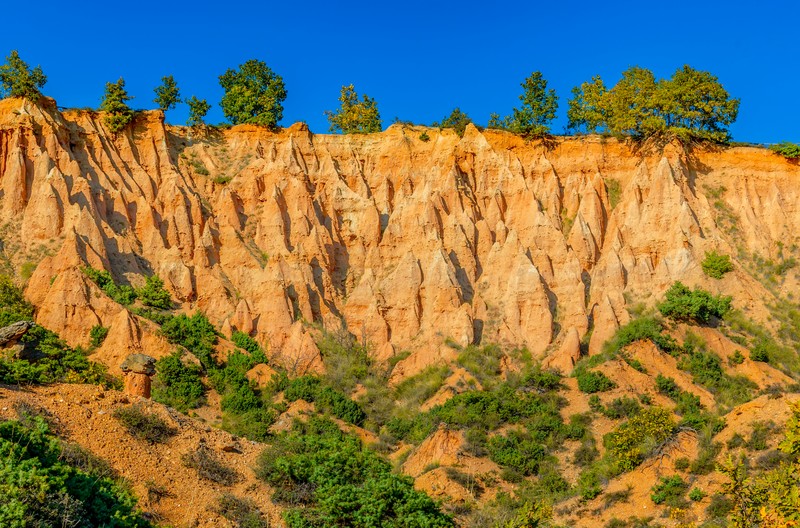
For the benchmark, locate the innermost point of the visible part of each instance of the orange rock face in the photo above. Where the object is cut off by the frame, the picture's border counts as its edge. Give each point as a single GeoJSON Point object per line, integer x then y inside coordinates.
{"type": "Point", "coordinates": [485, 238]}
{"type": "Point", "coordinates": [137, 385]}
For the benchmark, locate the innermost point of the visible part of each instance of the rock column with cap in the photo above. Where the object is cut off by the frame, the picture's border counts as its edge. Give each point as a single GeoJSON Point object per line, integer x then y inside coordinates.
{"type": "Point", "coordinates": [138, 368]}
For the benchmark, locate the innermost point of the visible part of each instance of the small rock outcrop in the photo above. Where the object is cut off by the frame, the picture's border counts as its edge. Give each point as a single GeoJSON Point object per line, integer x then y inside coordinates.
{"type": "Point", "coordinates": [11, 334]}
{"type": "Point", "coordinates": [138, 369]}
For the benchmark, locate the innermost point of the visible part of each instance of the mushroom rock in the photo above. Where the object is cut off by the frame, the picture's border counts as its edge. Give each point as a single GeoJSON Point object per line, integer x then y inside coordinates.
{"type": "Point", "coordinates": [138, 369]}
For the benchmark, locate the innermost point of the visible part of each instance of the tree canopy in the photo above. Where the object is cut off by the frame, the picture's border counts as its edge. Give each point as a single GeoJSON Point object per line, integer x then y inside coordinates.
{"type": "Point", "coordinates": [115, 105]}
{"type": "Point", "coordinates": [354, 116]}
{"type": "Point", "coordinates": [17, 79]}
{"type": "Point", "coordinates": [690, 105]}
{"type": "Point", "coordinates": [538, 109]}
{"type": "Point", "coordinates": [167, 94]}
{"type": "Point", "coordinates": [253, 94]}
{"type": "Point", "coordinates": [198, 108]}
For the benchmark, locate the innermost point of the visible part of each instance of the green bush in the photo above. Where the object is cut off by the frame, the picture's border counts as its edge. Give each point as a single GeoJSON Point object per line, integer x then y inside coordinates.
{"type": "Point", "coordinates": [623, 407]}
{"type": "Point", "coordinates": [143, 425]}
{"type": "Point", "coordinates": [311, 389]}
{"type": "Point", "coordinates": [630, 443]}
{"type": "Point", "coordinates": [639, 329]}
{"type": "Point", "coordinates": [590, 381]}
{"type": "Point", "coordinates": [46, 483]}
{"type": "Point", "coordinates": [195, 333]}
{"type": "Point", "coordinates": [52, 360]}
{"type": "Point", "coordinates": [787, 150]}
{"type": "Point", "coordinates": [177, 384]}
{"type": "Point", "coordinates": [697, 494]}
{"type": "Point", "coordinates": [683, 304]}
{"type": "Point", "coordinates": [245, 342]}
{"type": "Point", "coordinates": [706, 369]}
{"type": "Point", "coordinates": [716, 265]}
{"type": "Point", "coordinates": [124, 295]}
{"type": "Point", "coordinates": [517, 450]}
{"type": "Point", "coordinates": [327, 478]}
{"type": "Point", "coordinates": [97, 335]}
{"type": "Point", "coordinates": [670, 491]}
{"type": "Point", "coordinates": [760, 351]}
{"type": "Point", "coordinates": [457, 120]}
{"type": "Point", "coordinates": [153, 294]}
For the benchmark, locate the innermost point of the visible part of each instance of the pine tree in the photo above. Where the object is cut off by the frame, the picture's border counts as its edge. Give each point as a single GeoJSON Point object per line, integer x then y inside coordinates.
{"type": "Point", "coordinates": [118, 113]}
{"type": "Point", "coordinates": [167, 94]}
{"type": "Point", "coordinates": [17, 79]}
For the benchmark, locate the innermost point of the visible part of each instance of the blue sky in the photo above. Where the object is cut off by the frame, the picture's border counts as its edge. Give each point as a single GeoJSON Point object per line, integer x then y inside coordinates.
{"type": "Point", "coordinates": [418, 59]}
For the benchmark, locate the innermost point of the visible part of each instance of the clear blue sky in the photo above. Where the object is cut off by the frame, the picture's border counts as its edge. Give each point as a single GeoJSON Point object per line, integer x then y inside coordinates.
{"type": "Point", "coordinates": [418, 59]}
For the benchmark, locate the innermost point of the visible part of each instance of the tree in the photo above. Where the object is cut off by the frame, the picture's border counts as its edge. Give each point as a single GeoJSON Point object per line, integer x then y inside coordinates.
{"type": "Point", "coordinates": [18, 80]}
{"type": "Point", "coordinates": [630, 106]}
{"type": "Point", "coordinates": [457, 120]}
{"type": "Point", "coordinates": [538, 109]}
{"type": "Point", "coordinates": [198, 108]}
{"type": "Point", "coordinates": [115, 99]}
{"type": "Point", "coordinates": [253, 94]}
{"type": "Point", "coordinates": [167, 94]}
{"type": "Point", "coordinates": [587, 107]}
{"type": "Point", "coordinates": [354, 116]}
{"type": "Point", "coordinates": [695, 105]}
{"type": "Point", "coordinates": [691, 105]}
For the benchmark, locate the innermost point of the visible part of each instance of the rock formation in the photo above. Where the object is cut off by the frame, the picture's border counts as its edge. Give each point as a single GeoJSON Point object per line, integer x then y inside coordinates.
{"type": "Point", "coordinates": [138, 368]}
{"type": "Point", "coordinates": [481, 239]}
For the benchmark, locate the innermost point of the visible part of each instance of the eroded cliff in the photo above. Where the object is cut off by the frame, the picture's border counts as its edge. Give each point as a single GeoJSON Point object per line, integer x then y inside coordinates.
{"type": "Point", "coordinates": [409, 243]}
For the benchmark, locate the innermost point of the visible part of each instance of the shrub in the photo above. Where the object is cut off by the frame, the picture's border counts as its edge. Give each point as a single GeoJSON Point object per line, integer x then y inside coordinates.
{"type": "Point", "coordinates": [697, 494]}
{"type": "Point", "coordinates": [457, 120]}
{"type": "Point", "coordinates": [245, 342]}
{"type": "Point", "coordinates": [320, 473]}
{"type": "Point", "coordinates": [46, 483]}
{"type": "Point", "coordinates": [209, 467]}
{"type": "Point", "coordinates": [590, 381]}
{"type": "Point", "coordinates": [97, 335]}
{"type": "Point", "coordinates": [177, 384]}
{"type": "Point", "coordinates": [17, 79]}
{"type": "Point", "coordinates": [242, 513]}
{"type": "Point", "coordinates": [153, 294]}
{"type": "Point", "coordinates": [143, 425]}
{"type": "Point", "coordinates": [195, 333]}
{"type": "Point", "coordinates": [115, 105]}
{"type": "Point", "coordinates": [424, 137]}
{"type": "Point", "coordinates": [124, 295]}
{"type": "Point", "coordinates": [633, 441]}
{"type": "Point", "coordinates": [253, 94]}
{"type": "Point", "coordinates": [719, 507]}
{"type": "Point", "coordinates": [516, 450]}
{"type": "Point", "coordinates": [787, 150]}
{"type": "Point", "coordinates": [638, 329]}
{"type": "Point", "coordinates": [586, 453]}
{"type": "Point", "coordinates": [310, 389]}
{"type": "Point", "coordinates": [669, 491]}
{"type": "Point", "coordinates": [716, 265]}
{"type": "Point", "coordinates": [760, 351]}
{"type": "Point", "coordinates": [623, 407]}
{"type": "Point", "coordinates": [683, 304]}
